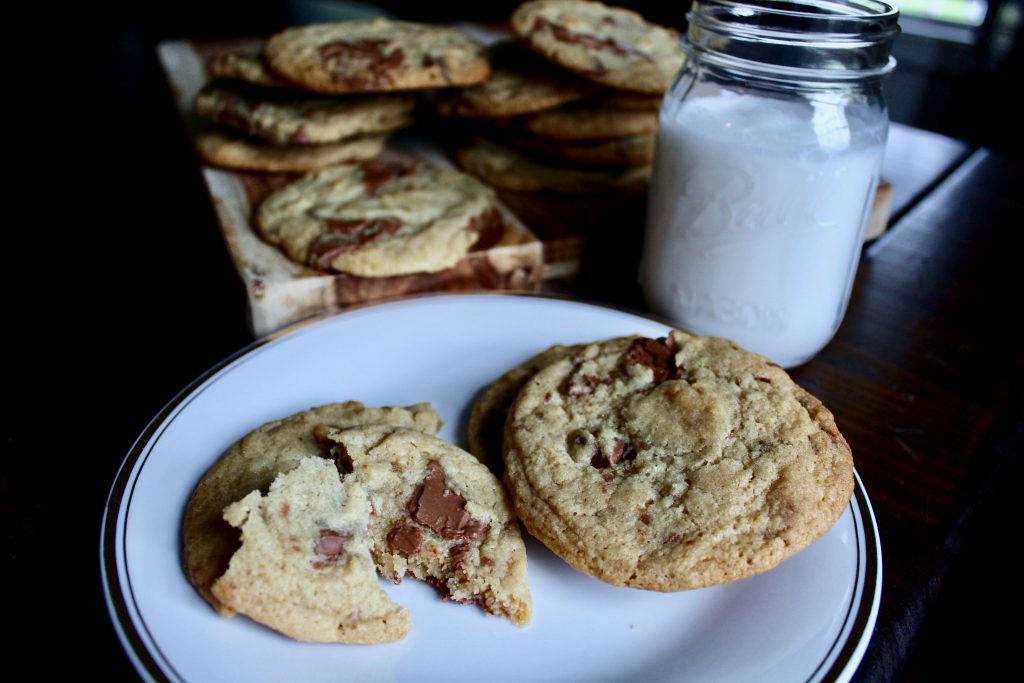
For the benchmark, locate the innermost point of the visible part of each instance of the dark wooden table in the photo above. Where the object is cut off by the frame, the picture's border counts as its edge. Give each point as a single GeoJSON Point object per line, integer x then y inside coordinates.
{"type": "Point", "coordinates": [924, 378]}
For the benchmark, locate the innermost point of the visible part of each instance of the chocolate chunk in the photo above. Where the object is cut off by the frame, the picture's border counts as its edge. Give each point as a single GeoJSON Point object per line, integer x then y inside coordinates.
{"type": "Point", "coordinates": [442, 66]}
{"type": "Point", "coordinates": [656, 354]}
{"type": "Point", "coordinates": [331, 543]}
{"type": "Point", "coordinates": [406, 538]}
{"type": "Point", "coordinates": [435, 506]}
{"type": "Point", "coordinates": [376, 173]}
{"type": "Point", "coordinates": [460, 554]}
{"type": "Point", "coordinates": [489, 227]}
{"type": "Point", "coordinates": [342, 236]}
{"type": "Point", "coordinates": [333, 450]}
{"type": "Point", "coordinates": [363, 228]}
{"type": "Point", "coordinates": [230, 112]}
{"type": "Point", "coordinates": [620, 451]}
{"type": "Point", "coordinates": [566, 36]}
{"type": "Point", "coordinates": [372, 55]}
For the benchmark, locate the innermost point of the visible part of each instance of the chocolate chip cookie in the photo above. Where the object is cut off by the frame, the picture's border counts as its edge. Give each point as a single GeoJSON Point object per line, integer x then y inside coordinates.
{"type": "Point", "coordinates": [502, 167]}
{"type": "Point", "coordinates": [487, 421]}
{"type": "Point", "coordinates": [388, 499]}
{"type": "Point", "coordinates": [376, 55]}
{"type": "Point", "coordinates": [612, 46]}
{"type": "Point", "coordinates": [253, 463]}
{"type": "Point", "coordinates": [243, 65]}
{"type": "Point", "coordinates": [635, 150]}
{"type": "Point", "coordinates": [237, 152]}
{"type": "Point", "coordinates": [520, 83]}
{"type": "Point", "coordinates": [674, 463]}
{"type": "Point", "coordinates": [379, 218]}
{"type": "Point", "coordinates": [283, 118]}
{"type": "Point", "coordinates": [584, 122]}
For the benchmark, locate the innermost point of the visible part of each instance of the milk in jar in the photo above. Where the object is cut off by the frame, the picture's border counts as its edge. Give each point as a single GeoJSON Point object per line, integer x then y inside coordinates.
{"type": "Point", "coordinates": [756, 216]}
{"type": "Point", "coordinates": [768, 157]}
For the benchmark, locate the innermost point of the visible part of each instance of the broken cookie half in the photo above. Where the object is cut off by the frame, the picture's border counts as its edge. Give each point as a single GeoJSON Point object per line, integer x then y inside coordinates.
{"type": "Point", "coordinates": [383, 499]}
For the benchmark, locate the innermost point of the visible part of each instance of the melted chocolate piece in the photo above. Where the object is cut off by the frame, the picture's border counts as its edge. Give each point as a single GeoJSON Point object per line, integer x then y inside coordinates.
{"type": "Point", "coordinates": [446, 594]}
{"type": "Point", "coordinates": [330, 545]}
{"type": "Point", "coordinates": [442, 66]}
{"type": "Point", "coordinates": [376, 173]}
{"type": "Point", "coordinates": [229, 112]}
{"type": "Point", "coordinates": [489, 227]}
{"type": "Point", "coordinates": [620, 451]}
{"type": "Point", "coordinates": [342, 236]}
{"type": "Point", "coordinates": [372, 56]}
{"type": "Point", "coordinates": [406, 538]}
{"type": "Point", "coordinates": [565, 35]}
{"type": "Point", "coordinates": [460, 554]}
{"type": "Point", "coordinates": [435, 506]}
{"type": "Point", "coordinates": [332, 449]}
{"type": "Point", "coordinates": [656, 354]}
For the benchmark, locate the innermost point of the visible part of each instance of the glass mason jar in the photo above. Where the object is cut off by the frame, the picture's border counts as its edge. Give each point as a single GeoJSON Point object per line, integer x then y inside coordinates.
{"type": "Point", "coordinates": [767, 162]}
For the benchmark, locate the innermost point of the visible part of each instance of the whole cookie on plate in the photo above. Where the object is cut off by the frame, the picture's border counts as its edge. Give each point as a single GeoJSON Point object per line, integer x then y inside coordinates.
{"type": "Point", "coordinates": [612, 46]}
{"type": "Point", "coordinates": [285, 119]}
{"type": "Point", "coordinates": [376, 55]}
{"type": "Point", "coordinates": [242, 153]}
{"type": "Point", "coordinates": [487, 420]}
{"type": "Point", "coordinates": [583, 122]}
{"type": "Point", "coordinates": [502, 167]}
{"type": "Point", "coordinates": [520, 83]}
{"type": "Point", "coordinates": [674, 463]}
{"type": "Point", "coordinates": [253, 463]}
{"type": "Point", "coordinates": [635, 150]}
{"type": "Point", "coordinates": [243, 65]}
{"type": "Point", "coordinates": [391, 500]}
{"type": "Point", "coordinates": [378, 218]}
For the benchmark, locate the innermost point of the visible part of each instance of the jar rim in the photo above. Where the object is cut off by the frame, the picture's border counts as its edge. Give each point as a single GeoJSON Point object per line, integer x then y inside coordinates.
{"type": "Point", "coordinates": [795, 40]}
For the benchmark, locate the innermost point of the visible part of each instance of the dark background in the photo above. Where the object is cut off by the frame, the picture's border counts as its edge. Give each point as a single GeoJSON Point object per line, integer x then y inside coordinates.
{"type": "Point", "coordinates": [108, 194]}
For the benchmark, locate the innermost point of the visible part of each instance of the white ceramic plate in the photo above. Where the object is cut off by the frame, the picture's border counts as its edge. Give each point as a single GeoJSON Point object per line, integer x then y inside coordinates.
{"type": "Point", "coordinates": [809, 619]}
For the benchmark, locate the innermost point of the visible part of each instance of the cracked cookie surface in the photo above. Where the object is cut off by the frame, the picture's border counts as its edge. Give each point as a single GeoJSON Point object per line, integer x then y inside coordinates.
{"type": "Point", "coordinates": [673, 464]}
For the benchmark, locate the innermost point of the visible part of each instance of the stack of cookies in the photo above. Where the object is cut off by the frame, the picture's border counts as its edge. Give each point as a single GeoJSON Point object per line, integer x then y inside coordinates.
{"type": "Point", "coordinates": [325, 94]}
{"type": "Point", "coordinates": [322, 99]}
{"type": "Point", "coordinates": [573, 106]}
